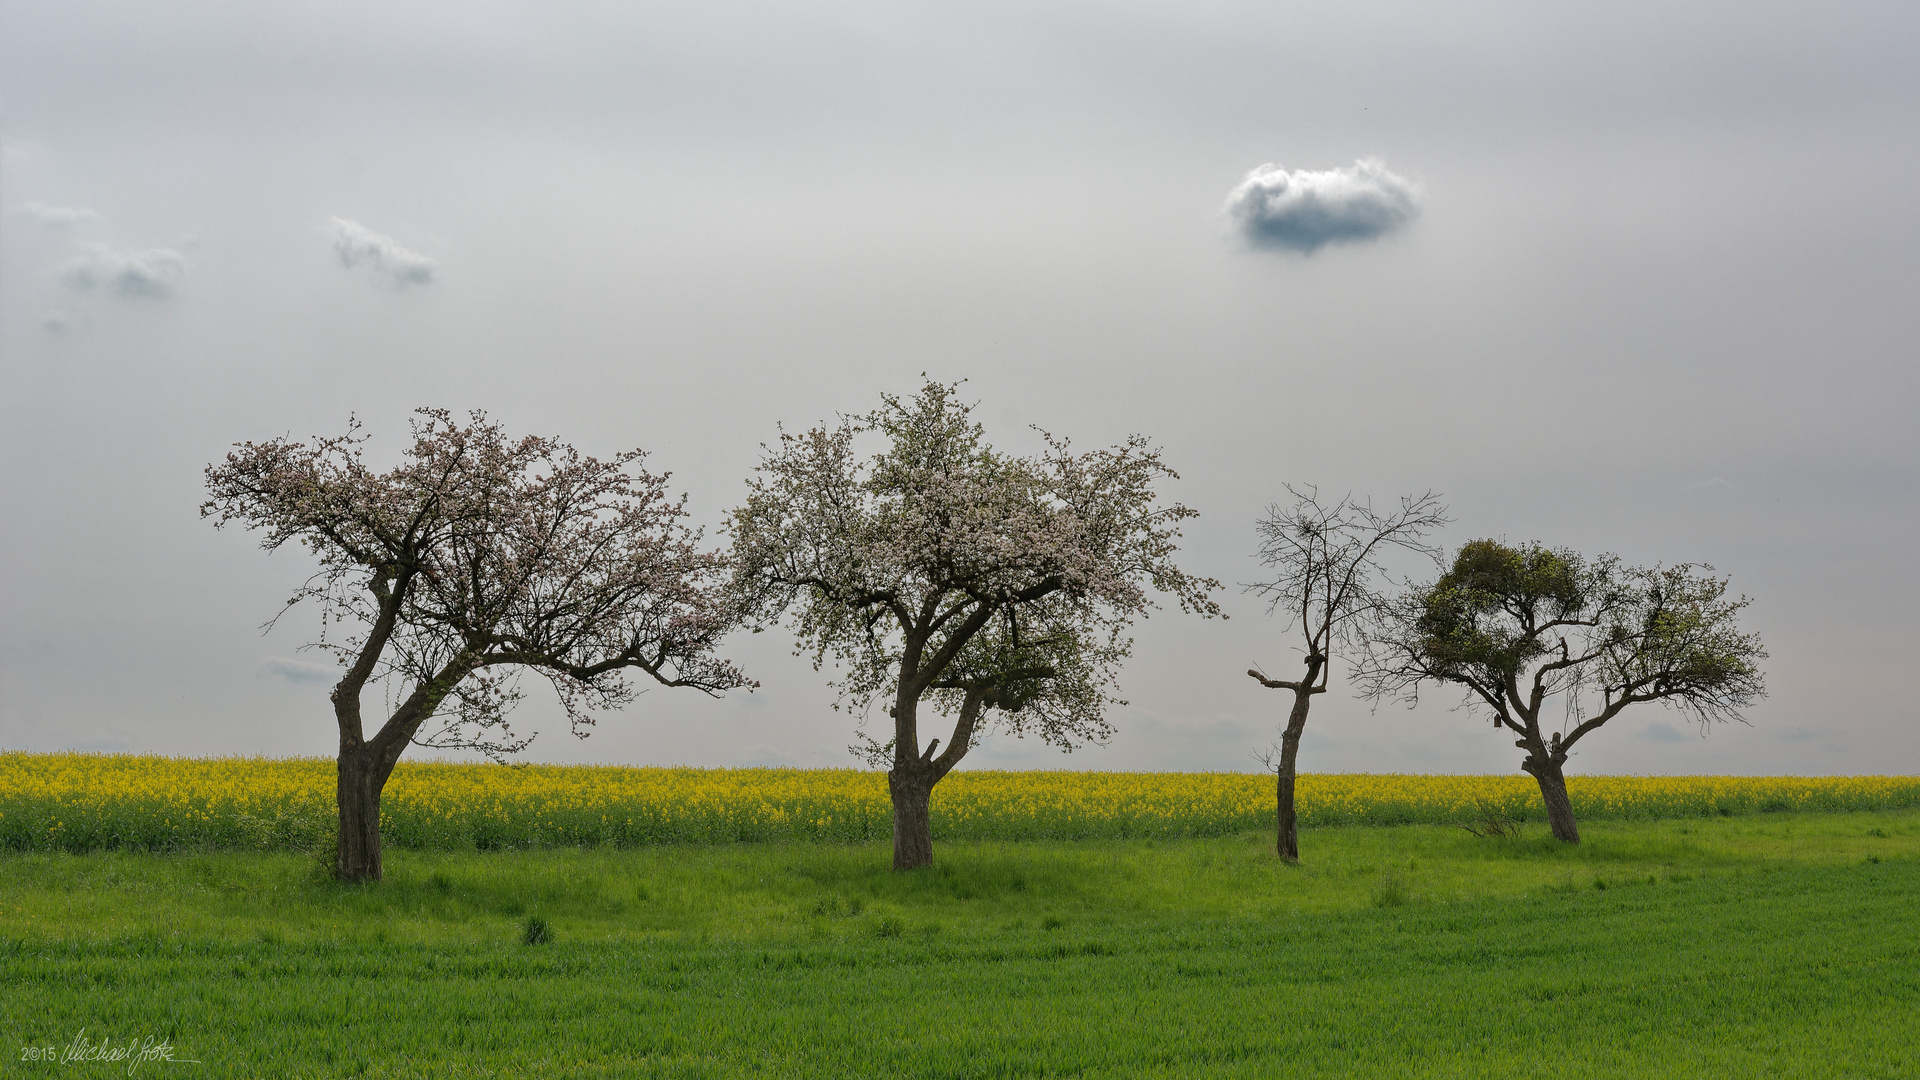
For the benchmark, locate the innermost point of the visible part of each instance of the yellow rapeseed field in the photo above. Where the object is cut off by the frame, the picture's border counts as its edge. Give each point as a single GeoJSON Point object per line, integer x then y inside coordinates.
{"type": "Point", "coordinates": [78, 802]}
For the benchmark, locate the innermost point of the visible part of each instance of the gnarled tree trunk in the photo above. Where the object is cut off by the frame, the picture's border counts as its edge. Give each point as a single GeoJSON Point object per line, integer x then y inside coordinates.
{"type": "Point", "coordinates": [1553, 791]}
{"type": "Point", "coordinates": [365, 764]}
{"type": "Point", "coordinates": [910, 781]}
{"type": "Point", "coordinates": [363, 773]}
{"type": "Point", "coordinates": [358, 858]}
{"type": "Point", "coordinates": [911, 786]}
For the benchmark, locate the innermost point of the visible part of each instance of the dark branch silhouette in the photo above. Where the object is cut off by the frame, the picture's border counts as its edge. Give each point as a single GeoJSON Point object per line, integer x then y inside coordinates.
{"type": "Point", "coordinates": [1327, 582]}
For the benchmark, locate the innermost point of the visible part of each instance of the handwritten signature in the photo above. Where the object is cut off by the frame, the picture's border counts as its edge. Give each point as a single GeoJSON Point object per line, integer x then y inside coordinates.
{"type": "Point", "coordinates": [135, 1052]}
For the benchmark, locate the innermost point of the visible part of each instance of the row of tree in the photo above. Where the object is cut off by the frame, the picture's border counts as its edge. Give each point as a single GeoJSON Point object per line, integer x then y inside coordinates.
{"type": "Point", "coordinates": [937, 576]}
{"type": "Point", "coordinates": [1544, 642]}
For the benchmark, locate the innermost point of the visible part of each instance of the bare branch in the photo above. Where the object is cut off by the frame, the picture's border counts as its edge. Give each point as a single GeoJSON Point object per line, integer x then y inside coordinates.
{"type": "Point", "coordinates": [1329, 580]}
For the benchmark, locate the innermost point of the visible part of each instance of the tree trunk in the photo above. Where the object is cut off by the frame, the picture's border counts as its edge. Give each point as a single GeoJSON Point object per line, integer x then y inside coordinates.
{"type": "Point", "coordinates": [1553, 790]}
{"type": "Point", "coordinates": [911, 789]}
{"type": "Point", "coordinates": [1288, 842]}
{"type": "Point", "coordinates": [361, 780]}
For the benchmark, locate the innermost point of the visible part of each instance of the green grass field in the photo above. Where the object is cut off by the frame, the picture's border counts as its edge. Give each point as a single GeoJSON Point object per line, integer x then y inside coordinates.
{"type": "Point", "coordinates": [1768, 945]}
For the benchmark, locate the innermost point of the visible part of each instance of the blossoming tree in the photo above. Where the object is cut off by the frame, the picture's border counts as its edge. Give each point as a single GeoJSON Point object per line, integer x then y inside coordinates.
{"type": "Point", "coordinates": [476, 558]}
{"type": "Point", "coordinates": [1328, 582]}
{"type": "Point", "coordinates": [996, 589]}
{"type": "Point", "coordinates": [1525, 630]}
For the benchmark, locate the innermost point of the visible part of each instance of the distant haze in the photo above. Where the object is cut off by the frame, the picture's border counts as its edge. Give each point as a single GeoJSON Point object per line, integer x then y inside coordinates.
{"type": "Point", "coordinates": [1633, 277]}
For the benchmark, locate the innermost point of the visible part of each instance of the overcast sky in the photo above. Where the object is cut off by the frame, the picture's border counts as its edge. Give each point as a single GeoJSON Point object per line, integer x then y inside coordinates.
{"type": "Point", "coordinates": [1640, 277]}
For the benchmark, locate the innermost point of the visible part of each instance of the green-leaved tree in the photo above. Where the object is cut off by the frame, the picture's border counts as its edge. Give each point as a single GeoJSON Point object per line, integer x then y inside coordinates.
{"type": "Point", "coordinates": [1553, 645]}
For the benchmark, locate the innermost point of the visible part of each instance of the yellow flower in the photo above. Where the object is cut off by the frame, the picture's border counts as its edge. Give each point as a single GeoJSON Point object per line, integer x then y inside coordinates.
{"type": "Point", "coordinates": [83, 801]}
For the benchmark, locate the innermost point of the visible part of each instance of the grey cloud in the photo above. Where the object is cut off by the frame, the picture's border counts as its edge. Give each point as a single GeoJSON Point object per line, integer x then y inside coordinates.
{"type": "Point", "coordinates": [152, 272]}
{"type": "Point", "coordinates": [1661, 731]}
{"type": "Point", "coordinates": [766, 755]}
{"type": "Point", "coordinates": [357, 245]}
{"type": "Point", "coordinates": [1303, 210]}
{"type": "Point", "coordinates": [299, 671]}
{"type": "Point", "coordinates": [61, 217]}
{"type": "Point", "coordinates": [57, 321]}
{"type": "Point", "coordinates": [1808, 740]}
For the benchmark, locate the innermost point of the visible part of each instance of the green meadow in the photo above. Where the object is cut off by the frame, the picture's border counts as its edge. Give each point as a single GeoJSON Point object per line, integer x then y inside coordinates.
{"type": "Point", "coordinates": [1776, 945]}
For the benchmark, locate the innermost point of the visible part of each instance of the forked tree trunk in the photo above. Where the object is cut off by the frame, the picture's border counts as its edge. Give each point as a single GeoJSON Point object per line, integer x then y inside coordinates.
{"type": "Point", "coordinates": [363, 775]}
{"type": "Point", "coordinates": [912, 790]}
{"type": "Point", "coordinates": [1287, 845]}
{"type": "Point", "coordinates": [365, 765]}
{"type": "Point", "coordinates": [1553, 791]}
{"type": "Point", "coordinates": [910, 781]}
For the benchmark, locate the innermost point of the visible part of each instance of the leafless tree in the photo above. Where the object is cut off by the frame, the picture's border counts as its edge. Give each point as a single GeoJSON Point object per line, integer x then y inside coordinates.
{"type": "Point", "coordinates": [1524, 628]}
{"type": "Point", "coordinates": [1328, 581]}
{"type": "Point", "coordinates": [996, 588]}
{"type": "Point", "coordinates": [476, 558]}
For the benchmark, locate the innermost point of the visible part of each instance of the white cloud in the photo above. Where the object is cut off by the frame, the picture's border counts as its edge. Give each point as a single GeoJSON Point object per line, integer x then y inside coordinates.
{"type": "Point", "coordinates": [1303, 209]}
{"type": "Point", "coordinates": [152, 272]}
{"type": "Point", "coordinates": [299, 671]}
{"type": "Point", "coordinates": [356, 244]}
{"type": "Point", "coordinates": [61, 217]}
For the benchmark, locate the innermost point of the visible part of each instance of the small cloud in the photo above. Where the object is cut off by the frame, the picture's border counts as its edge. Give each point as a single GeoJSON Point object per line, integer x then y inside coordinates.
{"type": "Point", "coordinates": [1661, 731]}
{"type": "Point", "coordinates": [1807, 739]}
{"type": "Point", "coordinates": [61, 217]}
{"type": "Point", "coordinates": [1303, 210]}
{"type": "Point", "coordinates": [765, 755]}
{"type": "Point", "coordinates": [356, 245]}
{"type": "Point", "coordinates": [299, 671]}
{"type": "Point", "coordinates": [58, 322]}
{"type": "Point", "coordinates": [152, 272]}
{"type": "Point", "coordinates": [1712, 483]}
